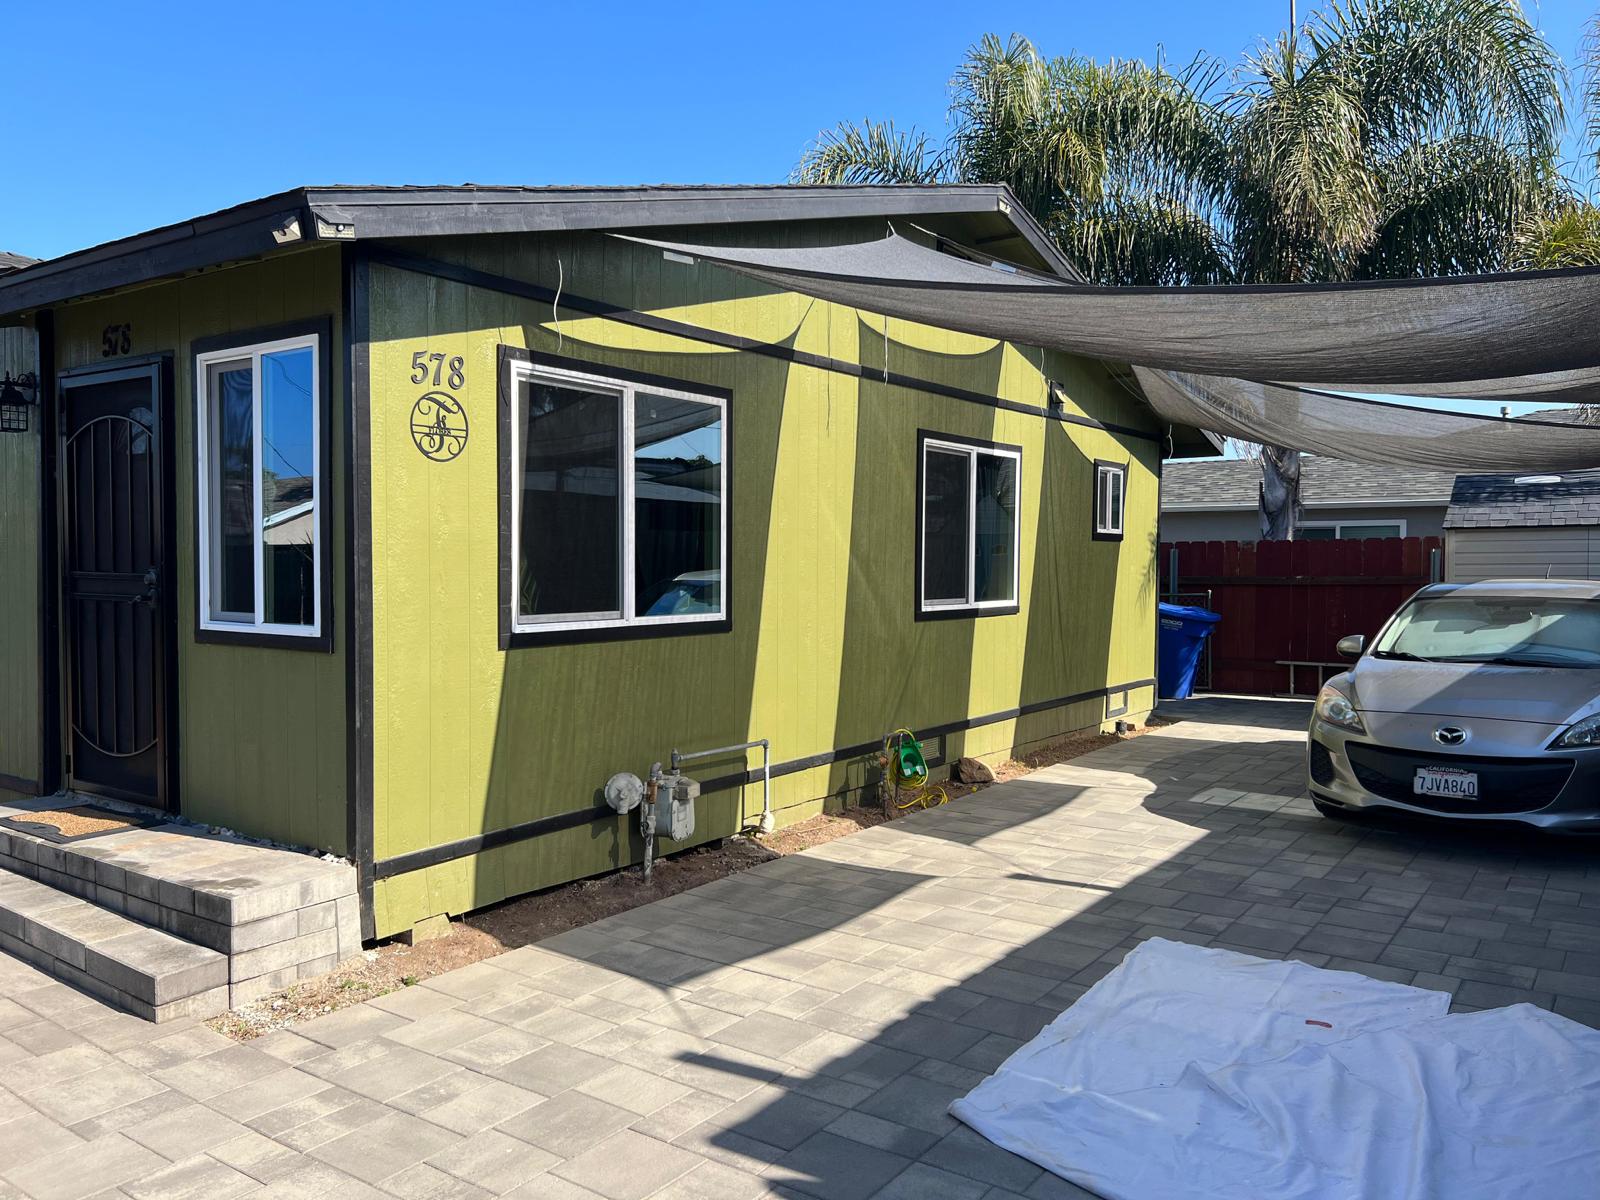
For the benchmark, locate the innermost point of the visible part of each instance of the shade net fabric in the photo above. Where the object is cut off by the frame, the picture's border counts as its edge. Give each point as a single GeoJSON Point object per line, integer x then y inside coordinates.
{"type": "Point", "coordinates": [1214, 1075]}
{"type": "Point", "coordinates": [1265, 363]}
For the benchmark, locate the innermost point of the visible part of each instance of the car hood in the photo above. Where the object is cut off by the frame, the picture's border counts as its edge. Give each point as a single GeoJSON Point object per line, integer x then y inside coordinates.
{"type": "Point", "coordinates": [1544, 695]}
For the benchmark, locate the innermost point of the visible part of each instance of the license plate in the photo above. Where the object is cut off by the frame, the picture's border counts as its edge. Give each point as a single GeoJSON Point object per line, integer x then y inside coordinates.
{"type": "Point", "coordinates": [1444, 781]}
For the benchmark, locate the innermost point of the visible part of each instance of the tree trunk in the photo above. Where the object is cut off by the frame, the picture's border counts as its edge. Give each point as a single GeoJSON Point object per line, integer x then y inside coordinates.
{"type": "Point", "coordinates": [1280, 493]}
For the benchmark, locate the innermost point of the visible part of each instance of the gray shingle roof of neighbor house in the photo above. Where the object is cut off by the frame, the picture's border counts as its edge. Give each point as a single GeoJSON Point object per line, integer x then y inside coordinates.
{"type": "Point", "coordinates": [14, 262]}
{"type": "Point", "coordinates": [1523, 501]}
{"type": "Point", "coordinates": [1324, 482]}
{"type": "Point", "coordinates": [1528, 500]}
{"type": "Point", "coordinates": [986, 215]}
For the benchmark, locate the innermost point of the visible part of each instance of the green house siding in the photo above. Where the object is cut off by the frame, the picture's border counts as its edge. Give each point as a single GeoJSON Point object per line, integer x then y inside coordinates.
{"type": "Point", "coordinates": [19, 580]}
{"type": "Point", "coordinates": [823, 653]}
{"type": "Point", "coordinates": [261, 732]}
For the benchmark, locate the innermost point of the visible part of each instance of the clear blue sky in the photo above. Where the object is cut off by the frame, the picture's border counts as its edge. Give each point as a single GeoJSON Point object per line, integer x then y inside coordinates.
{"type": "Point", "coordinates": [121, 117]}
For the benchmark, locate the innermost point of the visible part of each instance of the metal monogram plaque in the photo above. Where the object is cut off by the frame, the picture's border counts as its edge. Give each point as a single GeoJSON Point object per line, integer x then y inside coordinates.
{"type": "Point", "coordinates": [439, 426]}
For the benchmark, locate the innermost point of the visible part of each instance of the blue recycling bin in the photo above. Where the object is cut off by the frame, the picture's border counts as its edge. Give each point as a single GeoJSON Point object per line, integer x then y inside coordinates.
{"type": "Point", "coordinates": [1179, 643]}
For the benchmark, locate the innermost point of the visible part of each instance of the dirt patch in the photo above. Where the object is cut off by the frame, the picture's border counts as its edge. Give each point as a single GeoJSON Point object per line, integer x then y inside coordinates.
{"type": "Point", "coordinates": [527, 919]}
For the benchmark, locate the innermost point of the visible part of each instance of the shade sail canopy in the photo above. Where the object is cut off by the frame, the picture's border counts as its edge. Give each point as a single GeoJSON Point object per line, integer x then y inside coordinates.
{"type": "Point", "coordinates": [1365, 430]}
{"type": "Point", "coordinates": [1264, 363]}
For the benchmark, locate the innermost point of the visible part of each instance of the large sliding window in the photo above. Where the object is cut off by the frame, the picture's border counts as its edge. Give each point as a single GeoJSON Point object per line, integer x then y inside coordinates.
{"type": "Point", "coordinates": [618, 498]}
{"type": "Point", "coordinates": [260, 426]}
{"type": "Point", "coordinates": [968, 531]}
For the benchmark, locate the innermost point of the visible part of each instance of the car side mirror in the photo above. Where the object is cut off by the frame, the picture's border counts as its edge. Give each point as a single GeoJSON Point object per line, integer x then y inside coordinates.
{"type": "Point", "coordinates": [1352, 645]}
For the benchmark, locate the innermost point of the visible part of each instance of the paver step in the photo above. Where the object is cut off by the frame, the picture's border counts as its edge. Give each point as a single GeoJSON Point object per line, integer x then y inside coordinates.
{"type": "Point", "coordinates": [277, 915]}
{"type": "Point", "coordinates": [150, 973]}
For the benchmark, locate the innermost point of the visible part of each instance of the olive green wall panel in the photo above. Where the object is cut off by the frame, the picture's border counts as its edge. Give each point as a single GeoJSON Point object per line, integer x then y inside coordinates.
{"type": "Point", "coordinates": [261, 730]}
{"type": "Point", "coordinates": [19, 575]}
{"type": "Point", "coordinates": [823, 650]}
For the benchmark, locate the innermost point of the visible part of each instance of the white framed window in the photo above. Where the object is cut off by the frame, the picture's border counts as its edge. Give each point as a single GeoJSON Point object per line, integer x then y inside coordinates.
{"type": "Point", "coordinates": [1110, 499]}
{"type": "Point", "coordinates": [968, 526]}
{"type": "Point", "coordinates": [618, 515]}
{"type": "Point", "coordinates": [260, 425]}
{"type": "Point", "coordinates": [1326, 531]}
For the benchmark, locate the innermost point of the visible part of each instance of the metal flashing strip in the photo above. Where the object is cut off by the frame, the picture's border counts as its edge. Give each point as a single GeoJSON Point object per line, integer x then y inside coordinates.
{"type": "Point", "coordinates": [417, 860]}
{"type": "Point", "coordinates": [506, 285]}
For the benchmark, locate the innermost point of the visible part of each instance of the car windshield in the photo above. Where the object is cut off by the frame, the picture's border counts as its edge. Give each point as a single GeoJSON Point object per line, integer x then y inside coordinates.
{"type": "Point", "coordinates": [1495, 629]}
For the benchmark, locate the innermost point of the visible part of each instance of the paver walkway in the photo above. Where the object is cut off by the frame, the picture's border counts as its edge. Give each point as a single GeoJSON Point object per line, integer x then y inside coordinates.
{"type": "Point", "coordinates": [797, 1030]}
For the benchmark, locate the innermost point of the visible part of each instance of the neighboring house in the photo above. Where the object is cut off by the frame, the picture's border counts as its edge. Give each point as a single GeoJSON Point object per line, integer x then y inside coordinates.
{"type": "Point", "coordinates": [1524, 527]}
{"type": "Point", "coordinates": [14, 262]}
{"type": "Point", "coordinates": [1219, 499]}
{"type": "Point", "coordinates": [394, 521]}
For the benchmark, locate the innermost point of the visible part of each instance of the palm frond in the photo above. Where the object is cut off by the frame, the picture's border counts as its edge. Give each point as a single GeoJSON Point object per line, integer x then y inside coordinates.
{"type": "Point", "coordinates": [1568, 236]}
{"type": "Point", "coordinates": [1394, 137]}
{"type": "Point", "coordinates": [1145, 240]}
{"type": "Point", "coordinates": [1306, 197]}
{"type": "Point", "coordinates": [1588, 81]}
{"type": "Point", "coordinates": [1454, 207]}
{"type": "Point", "coordinates": [1427, 68]}
{"type": "Point", "coordinates": [870, 152]}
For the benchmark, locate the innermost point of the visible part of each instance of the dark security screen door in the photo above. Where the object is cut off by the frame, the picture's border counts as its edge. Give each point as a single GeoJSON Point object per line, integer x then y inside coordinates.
{"type": "Point", "coordinates": [113, 561]}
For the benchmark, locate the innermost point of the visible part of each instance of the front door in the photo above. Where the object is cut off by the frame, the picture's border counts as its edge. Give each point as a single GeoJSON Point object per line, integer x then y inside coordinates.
{"type": "Point", "coordinates": [115, 598]}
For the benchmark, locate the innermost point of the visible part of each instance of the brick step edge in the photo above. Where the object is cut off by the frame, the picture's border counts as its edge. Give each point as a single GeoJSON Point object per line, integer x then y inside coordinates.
{"type": "Point", "coordinates": [133, 966]}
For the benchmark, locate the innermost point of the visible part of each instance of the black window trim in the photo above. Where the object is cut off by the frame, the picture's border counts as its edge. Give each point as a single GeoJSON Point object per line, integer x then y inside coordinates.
{"type": "Point", "coordinates": [1121, 469]}
{"type": "Point", "coordinates": [512, 638]}
{"type": "Point", "coordinates": [965, 611]}
{"type": "Point", "coordinates": [243, 339]}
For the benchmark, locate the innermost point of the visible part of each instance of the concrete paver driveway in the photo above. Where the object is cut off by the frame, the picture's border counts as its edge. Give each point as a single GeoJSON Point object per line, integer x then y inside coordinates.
{"type": "Point", "coordinates": [797, 1030]}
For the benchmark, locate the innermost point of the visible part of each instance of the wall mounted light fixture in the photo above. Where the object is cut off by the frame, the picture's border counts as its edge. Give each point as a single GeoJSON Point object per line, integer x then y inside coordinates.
{"type": "Point", "coordinates": [18, 393]}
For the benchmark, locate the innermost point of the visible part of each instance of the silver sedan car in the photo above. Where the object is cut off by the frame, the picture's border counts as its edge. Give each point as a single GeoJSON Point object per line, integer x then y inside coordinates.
{"type": "Point", "coordinates": [1476, 701]}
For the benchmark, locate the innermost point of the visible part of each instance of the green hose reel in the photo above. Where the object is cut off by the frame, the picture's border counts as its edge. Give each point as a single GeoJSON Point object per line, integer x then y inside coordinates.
{"type": "Point", "coordinates": [910, 766]}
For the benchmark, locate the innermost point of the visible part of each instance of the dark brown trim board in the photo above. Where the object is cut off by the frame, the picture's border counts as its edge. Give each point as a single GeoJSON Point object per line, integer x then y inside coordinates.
{"type": "Point", "coordinates": [433, 856]}
{"type": "Point", "coordinates": [358, 576]}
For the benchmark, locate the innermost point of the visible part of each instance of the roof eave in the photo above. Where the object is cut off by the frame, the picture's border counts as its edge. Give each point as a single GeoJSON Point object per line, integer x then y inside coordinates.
{"type": "Point", "coordinates": [351, 214]}
{"type": "Point", "coordinates": [243, 232]}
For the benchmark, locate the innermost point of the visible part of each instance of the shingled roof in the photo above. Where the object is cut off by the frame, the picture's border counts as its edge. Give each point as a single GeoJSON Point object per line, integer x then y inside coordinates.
{"type": "Point", "coordinates": [1324, 483]}
{"type": "Point", "coordinates": [1523, 501]}
{"type": "Point", "coordinates": [14, 262]}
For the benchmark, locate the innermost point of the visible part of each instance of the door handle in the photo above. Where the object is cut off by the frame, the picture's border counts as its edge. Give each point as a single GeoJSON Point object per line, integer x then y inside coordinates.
{"type": "Point", "coordinates": [152, 588]}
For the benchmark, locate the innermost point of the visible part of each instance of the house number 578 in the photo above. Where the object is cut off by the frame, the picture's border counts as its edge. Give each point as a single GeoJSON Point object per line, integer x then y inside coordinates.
{"type": "Point", "coordinates": [451, 369]}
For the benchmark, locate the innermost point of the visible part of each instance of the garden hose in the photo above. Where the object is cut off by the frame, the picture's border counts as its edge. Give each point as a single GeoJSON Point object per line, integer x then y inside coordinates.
{"type": "Point", "coordinates": [907, 770]}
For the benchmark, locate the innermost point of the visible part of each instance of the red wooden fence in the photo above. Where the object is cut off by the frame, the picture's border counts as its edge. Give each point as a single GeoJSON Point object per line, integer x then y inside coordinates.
{"type": "Point", "coordinates": [1293, 600]}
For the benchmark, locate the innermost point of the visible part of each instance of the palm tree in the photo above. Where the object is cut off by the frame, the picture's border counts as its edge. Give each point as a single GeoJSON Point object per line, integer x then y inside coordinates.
{"type": "Point", "coordinates": [1383, 138]}
{"type": "Point", "coordinates": [1566, 232]}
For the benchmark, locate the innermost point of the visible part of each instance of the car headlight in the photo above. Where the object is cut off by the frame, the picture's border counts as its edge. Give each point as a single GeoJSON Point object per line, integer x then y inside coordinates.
{"type": "Point", "coordinates": [1581, 733]}
{"type": "Point", "coordinates": [1334, 707]}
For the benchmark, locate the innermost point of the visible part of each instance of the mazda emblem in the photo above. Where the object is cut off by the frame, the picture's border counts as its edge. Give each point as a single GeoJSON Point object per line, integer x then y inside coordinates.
{"type": "Point", "coordinates": [1450, 735]}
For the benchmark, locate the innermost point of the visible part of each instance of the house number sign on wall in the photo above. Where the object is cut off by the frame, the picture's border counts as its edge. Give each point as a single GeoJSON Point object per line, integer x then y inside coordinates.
{"type": "Point", "coordinates": [115, 340]}
{"type": "Point", "coordinates": [438, 421]}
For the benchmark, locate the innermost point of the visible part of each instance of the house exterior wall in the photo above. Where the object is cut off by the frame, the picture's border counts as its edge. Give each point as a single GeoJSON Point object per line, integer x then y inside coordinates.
{"type": "Point", "coordinates": [1555, 552]}
{"type": "Point", "coordinates": [1243, 525]}
{"type": "Point", "coordinates": [20, 764]}
{"type": "Point", "coordinates": [261, 731]}
{"type": "Point", "coordinates": [823, 652]}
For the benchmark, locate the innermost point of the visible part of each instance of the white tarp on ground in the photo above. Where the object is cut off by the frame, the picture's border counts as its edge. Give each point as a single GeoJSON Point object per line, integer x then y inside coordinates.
{"type": "Point", "coordinates": [1189, 1072]}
